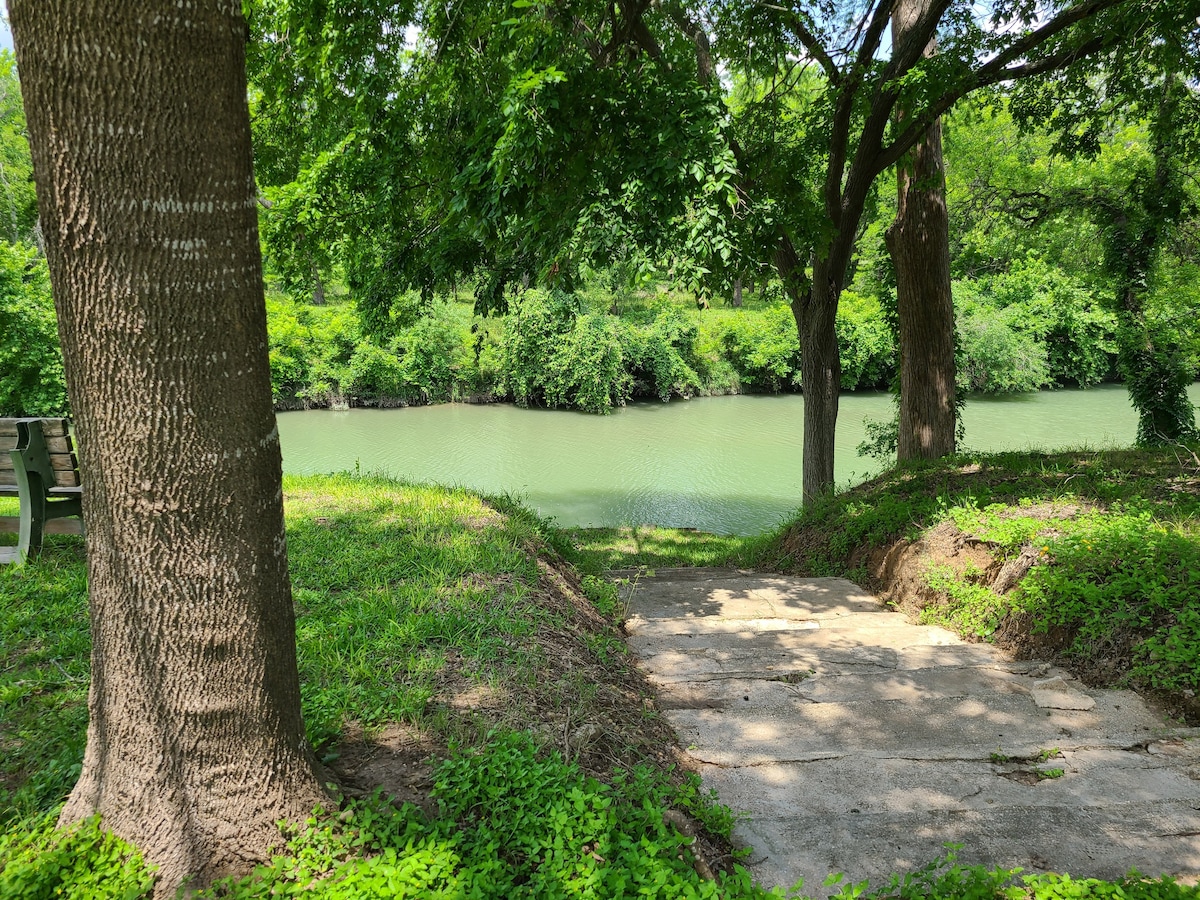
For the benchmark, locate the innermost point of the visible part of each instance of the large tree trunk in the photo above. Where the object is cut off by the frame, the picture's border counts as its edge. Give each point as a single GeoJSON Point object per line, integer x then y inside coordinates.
{"type": "Point", "coordinates": [141, 146]}
{"type": "Point", "coordinates": [815, 309]}
{"type": "Point", "coordinates": [919, 243]}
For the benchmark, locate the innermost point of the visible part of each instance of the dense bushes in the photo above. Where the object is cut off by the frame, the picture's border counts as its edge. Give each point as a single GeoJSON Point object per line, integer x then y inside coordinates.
{"type": "Point", "coordinates": [556, 349]}
{"type": "Point", "coordinates": [1028, 328]}
{"type": "Point", "coordinates": [31, 366]}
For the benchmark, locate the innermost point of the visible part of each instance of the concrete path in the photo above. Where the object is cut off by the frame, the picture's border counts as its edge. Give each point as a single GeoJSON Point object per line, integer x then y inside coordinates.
{"type": "Point", "coordinates": [858, 743]}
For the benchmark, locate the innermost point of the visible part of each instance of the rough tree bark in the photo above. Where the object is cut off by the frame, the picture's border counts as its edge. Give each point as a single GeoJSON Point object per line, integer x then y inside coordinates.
{"type": "Point", "coordinates": [141, 146]}
{"type": "Point", "coordinates": [814, 306]}
{"type": "Point", "coordinates": [919, 244]}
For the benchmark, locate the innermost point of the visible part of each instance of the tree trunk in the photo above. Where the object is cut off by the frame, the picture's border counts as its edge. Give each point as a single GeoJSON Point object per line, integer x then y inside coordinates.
{"type": "Point", "coordinates": [141, 146]}
{"type": "Point", "coordinates": [815, 308]}
{"type": "Point", "coordinates": [318, 292]}
{"type": "Point", "coordinates": [919, 243]}
{"type": "Point", "coordinates": [737, 293]}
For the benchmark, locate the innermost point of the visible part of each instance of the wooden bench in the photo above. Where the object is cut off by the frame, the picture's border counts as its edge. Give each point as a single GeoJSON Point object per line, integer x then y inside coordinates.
{"type": "Point", "coordinates": [38, 465]}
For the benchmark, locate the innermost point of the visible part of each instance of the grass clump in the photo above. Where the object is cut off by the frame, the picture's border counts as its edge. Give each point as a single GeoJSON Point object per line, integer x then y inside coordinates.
{"type": "Point", "coordinates": [44, 647]}
{"type": "Point", "coordinates": [515, 822]}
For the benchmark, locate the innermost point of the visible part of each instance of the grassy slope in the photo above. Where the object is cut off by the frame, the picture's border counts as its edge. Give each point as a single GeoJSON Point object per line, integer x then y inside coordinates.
{"type": "Point", "coordinates": [426, 618]}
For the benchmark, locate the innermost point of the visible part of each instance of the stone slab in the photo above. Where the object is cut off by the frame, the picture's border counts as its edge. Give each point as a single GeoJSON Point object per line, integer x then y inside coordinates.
{"type": "Point", "coordinates": [854, 784]}
{"type": "Point", "coordinates": [792, 729]}
{"type": "Point", "coordinates": [720, 592]}
{"type": "Point", "coordinates": [1155, 838]}
{"type": "Point", "coordinates": [857, 742]}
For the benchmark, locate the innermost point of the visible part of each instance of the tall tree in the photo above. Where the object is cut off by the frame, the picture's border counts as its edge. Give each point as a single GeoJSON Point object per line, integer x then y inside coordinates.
{"type": "Point", "coordinates": [578, 128]}
{"type": "Point", "coordinates": [919, 244]}
{"type": "Point", "coordinates": [141, 149]}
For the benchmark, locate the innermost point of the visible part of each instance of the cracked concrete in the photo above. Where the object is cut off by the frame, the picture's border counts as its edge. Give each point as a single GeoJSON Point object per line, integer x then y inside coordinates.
{"type": "Point", "coordinates": [856, 742]}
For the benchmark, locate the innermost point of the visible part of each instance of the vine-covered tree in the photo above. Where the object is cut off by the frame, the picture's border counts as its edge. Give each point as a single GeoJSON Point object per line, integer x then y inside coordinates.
{"type": "Point", "coordinates": [141, 150]}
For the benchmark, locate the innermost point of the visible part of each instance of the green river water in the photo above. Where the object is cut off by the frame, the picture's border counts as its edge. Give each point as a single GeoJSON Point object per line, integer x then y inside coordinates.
{"type": "Point", "coordinates": [723, 464]}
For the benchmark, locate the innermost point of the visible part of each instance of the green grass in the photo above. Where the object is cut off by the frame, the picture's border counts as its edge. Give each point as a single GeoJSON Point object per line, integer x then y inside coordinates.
{"type": "Point", "coordinates": [646, 546]}
{"type": "Point", "coordinates": [406, 592]}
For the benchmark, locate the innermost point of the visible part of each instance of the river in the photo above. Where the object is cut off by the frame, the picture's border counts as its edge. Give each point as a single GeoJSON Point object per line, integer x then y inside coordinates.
{"type": "Point", "coordinates": [724, 464]}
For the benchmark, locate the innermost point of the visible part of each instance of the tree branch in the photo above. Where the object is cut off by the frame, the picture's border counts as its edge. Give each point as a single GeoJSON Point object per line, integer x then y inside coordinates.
{"type": "Point", "coordinates": [840, 130]}
{"type": "Point", "coordinates": [1068, 17]}
{"type": "Point", "coordinates": [912, 132]}
{"type": "Point", "coordinates": [695, 32]}
{"type": "Point", "coordinates": [810, 43]}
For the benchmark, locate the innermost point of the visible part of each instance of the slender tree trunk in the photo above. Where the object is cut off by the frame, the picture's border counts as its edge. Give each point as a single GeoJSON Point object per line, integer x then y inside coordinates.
{"type": "Point", "coordinates": [141, 146]}
{"type": "Point", "coordinates": [815, 309]}
{"type": "Point", "coordinates": [919, 243]}
{"type": "Point", "coordinates": [737, 293]}
{"type": "Point", "coordinates": [318, 292]}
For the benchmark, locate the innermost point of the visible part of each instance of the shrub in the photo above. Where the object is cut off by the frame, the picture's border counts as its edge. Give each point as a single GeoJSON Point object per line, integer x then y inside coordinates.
{"type": "Point", "coordinates": [662, 356]}
{"type": "Point", "coordinates": [993, 356]}
{"type": "Point", "coordinates": [31, 366]}
{"type": "Point", "coordinates": [557, 354]}
{"type": "Point", "coordinates": [763, 348]}
{"type": "Point", "coordinates": [865, 344]}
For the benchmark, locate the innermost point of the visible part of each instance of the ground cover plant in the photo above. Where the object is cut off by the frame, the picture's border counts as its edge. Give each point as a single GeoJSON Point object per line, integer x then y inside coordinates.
{"type": "Point", "coordinates": [1090, 557]}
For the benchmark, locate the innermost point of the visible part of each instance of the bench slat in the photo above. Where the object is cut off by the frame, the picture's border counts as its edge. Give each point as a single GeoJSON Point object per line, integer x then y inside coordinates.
{"type": "Point", "coordinates": [66, 490]}
{"type": "Point", "coordinates": [10, 524]}
{"type": "Point", "coordinates": [50, 427]}
{"type": "Point", "coordinates": [61, 461]}
{"type": "Point", "coordinates": [8, 481]}
{"type": "Point", "coordinates": [65, 472]}
{"type": "Point", "coordinates": [60, 444]}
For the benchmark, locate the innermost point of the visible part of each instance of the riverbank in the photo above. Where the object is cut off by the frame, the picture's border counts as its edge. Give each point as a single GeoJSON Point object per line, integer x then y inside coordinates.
{"type": "Point", "coordinates": [1090, 559]}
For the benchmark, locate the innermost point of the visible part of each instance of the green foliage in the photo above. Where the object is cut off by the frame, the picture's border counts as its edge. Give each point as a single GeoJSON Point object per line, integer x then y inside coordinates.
{"type": "Point", "coordinates": [995, 355]}
{"type": "Point", "coordinates": [763, 350]}
{"type": "Point", "coordinates": [558, 354]}
{"type": "Point", "coordinates": [866, 347]}
{"type": "Point", "coordinates": [514, 823]}
{"type": "Point", "coordinates": [18, 199]}
{"type": "Point", "coordinates": [310, 349]}
{"type": "Point", "coordinates": [31, 367]}
{"type": "Point", "coordinates": [1125, 585]}
{"type": "Point", "coordinates": [81, 861]}
{"type": "Point", "coordinates": [662, 356]}
{"type": "Point", "coordinates": [947, 879]}
{"type": "Point", "coordinates": [969, 608]}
